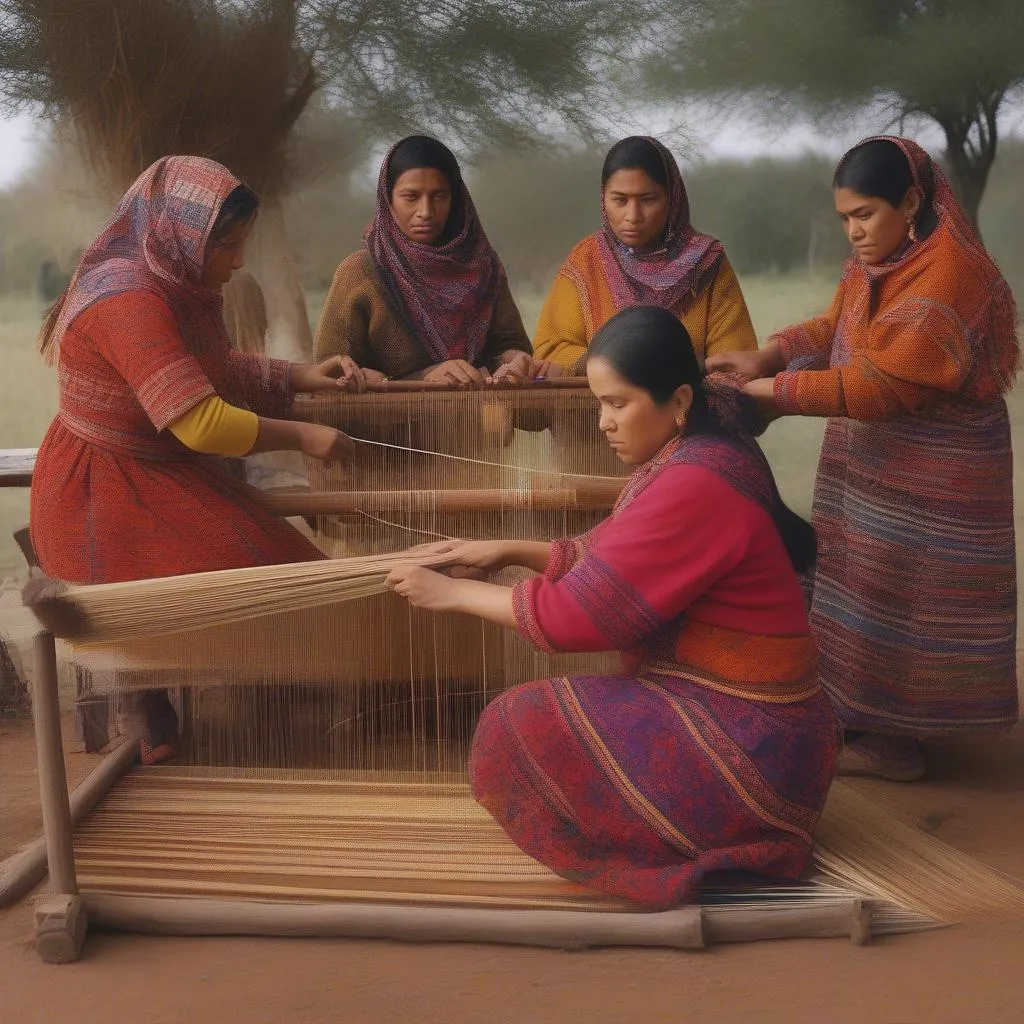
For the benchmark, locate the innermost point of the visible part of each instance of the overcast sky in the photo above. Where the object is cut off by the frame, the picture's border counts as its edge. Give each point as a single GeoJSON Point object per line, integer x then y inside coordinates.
{"type": "Point", "coordinates": [737, 137]}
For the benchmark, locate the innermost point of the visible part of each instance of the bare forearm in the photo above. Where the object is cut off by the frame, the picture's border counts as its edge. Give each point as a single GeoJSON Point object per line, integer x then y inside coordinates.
{"type": "Point", "coordinates": [485, 600]}
{"type": "Point", "coordinates": [531, 554]}
{"type": "Point", "coordinates": [278, 436]}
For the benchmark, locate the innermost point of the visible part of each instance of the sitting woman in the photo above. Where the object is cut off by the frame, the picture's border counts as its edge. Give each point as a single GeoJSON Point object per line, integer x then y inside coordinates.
{"type": "Point", "coordinates": [914, 603]}
{"type": "Point", "coordinates": [646, 253]}
{"type": "Point", "coordinates": [714, 748]}
{"type": "Point", "coordinates": [149, 385]}
{"type": "Point", "coordinates": [427, 298]}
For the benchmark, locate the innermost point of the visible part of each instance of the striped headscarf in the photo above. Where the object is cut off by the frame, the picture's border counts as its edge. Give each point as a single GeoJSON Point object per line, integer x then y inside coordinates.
{"type": "Point", "coordinates": [685, 262]}
{"type": "Point", "coordinates": [155, 241]}
{"type": "Point", "coordinates": [446, 292]}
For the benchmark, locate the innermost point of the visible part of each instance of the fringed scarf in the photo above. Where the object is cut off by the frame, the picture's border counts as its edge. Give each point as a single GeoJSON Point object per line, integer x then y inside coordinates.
{"type": "Point", "coordinates": [995, 344]}
{"type": "Point", "coordinates": [446, 292]}
{"type": "Point", "coordinates": [682, 267]}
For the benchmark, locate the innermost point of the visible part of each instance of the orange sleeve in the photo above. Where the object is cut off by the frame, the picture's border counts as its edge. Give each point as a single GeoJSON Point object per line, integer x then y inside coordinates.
{"type": "Point", "coordinates": [812, 339]}
{"type": "Point", "coordinates": [917, 350]}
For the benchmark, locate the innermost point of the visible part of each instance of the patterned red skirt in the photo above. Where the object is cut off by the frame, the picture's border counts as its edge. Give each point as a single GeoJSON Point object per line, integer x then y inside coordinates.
{"type": "Point", "coordinates": [639, 786]}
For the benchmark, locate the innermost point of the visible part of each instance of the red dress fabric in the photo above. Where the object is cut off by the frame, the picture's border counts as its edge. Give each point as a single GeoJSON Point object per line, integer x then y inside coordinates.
{"type": "Point", "coordinates": [715, 747]}
{"type": "Point", "coordinates": [115, 496]}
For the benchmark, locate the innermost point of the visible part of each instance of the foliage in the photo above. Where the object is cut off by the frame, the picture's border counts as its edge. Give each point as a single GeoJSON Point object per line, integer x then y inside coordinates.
{"type": "Point", "coordinates": [954, 62]}
{"type": "Point", "coordinates": [480, 70]}
{"type": "Point", "coordinates": [228, 78]}
{"type": "Point", "coordinates": [139, 79]}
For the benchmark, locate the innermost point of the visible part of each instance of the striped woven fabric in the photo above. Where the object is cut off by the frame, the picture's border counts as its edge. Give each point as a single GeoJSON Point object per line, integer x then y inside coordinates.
{"type": "Point", "coordinates": [914, 601]}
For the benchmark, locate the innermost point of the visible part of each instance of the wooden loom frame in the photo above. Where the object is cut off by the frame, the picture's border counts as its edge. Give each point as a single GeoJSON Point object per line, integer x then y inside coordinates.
{"type": "Point", "coordinates": [61, 919]}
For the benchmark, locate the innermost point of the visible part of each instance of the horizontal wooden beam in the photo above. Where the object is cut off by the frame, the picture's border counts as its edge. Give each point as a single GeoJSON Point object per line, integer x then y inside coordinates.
{"type": "Point", "coordinates": [16, 465]}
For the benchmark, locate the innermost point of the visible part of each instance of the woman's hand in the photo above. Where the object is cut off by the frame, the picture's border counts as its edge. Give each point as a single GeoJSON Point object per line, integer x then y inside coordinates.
{"type": "Point", "coordinates": [482, 555]}
{"type": "Point", "coordinates": [545, 369]}
{"type": "Point", "coordinates": [763, 392]}
{"type": "Point", "coordinates": [513, 369]}
{"type": "Point", "coordinates": [424, 588]}
{"type": "Point", "coordinates": [765, 362]}
{"type": "Point", "coordinates": [339, 373]}
{"type": "Point", "coordinates": [325, 443]}
{"type": "Point", "coordinates": [455, 371]}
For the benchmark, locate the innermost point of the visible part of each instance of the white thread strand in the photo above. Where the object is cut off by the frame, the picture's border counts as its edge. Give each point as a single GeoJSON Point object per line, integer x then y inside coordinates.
{"type": "Point", "coordinates": [483, 462]}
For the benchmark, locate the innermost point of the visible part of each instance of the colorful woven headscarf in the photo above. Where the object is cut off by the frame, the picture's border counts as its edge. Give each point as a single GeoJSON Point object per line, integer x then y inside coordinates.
{"type": "Point", "coordinates": [445, 292]}
{"type": "Point", "coordinates": [155, 241]}
{"type": "Point", "coordinates": [684, 264]}
{"type": "Point", "coordinates": [995, 345]}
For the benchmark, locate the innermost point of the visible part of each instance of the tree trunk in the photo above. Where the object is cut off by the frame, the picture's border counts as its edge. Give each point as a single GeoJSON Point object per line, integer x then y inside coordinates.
{"type": "Point", "coordinates": [288, 333]}
{"type": "Point", "coordinates": [971, 143]}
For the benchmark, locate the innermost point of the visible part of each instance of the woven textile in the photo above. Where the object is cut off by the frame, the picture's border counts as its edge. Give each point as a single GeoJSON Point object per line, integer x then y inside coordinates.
{"type": "Point", "coordinates": [446, 293]}
{"type": "Point", "coordinates": [359, 320]}
{"type": "Point", "coordinates": [914, 600]}
{"type": "Point", "coordinates": [115, 496]}
{"type": "Point", "coordinates": [714, 749]}
{"type": "Point", "coordinates": [682, 266]}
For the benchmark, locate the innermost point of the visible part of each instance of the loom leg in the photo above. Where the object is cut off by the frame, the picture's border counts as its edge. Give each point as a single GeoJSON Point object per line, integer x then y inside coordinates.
{"type": "Point", "coordinates": [61, 924]}
{"type": "Point", "coordinates": [860, 927]}
{"type": "Point", "coordinates": [60, 919]}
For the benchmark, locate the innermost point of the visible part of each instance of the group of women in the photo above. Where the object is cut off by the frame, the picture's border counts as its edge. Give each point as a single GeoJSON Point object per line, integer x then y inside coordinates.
{"type": "Point", "coordinates": [715, 747]}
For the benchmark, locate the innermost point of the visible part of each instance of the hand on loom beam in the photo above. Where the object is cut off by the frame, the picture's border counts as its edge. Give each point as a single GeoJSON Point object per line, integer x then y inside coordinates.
{"type": "Point", "coordinates": [512, 371]}
{"type": "Point", "coordinates": [334, 374]}
{"type": "Point", "coordinates": [454, 371]}
{"type": "Point", "coordinates": [427, 589]}
{"type": "Point", "coordinates": [545, 369]}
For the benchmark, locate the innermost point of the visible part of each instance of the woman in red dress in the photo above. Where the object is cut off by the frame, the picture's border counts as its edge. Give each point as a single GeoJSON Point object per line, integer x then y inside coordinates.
{"type": "Point", "coordinates": [714, 748]}
{"type": "Point", "coordinates": [124, 486]}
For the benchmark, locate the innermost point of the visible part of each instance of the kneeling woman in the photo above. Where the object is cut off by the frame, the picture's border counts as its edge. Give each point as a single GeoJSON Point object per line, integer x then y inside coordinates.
{"type": "Point", "coordinates": [427, 298]}
{"type": "Point", "coordinates": [715, 748]}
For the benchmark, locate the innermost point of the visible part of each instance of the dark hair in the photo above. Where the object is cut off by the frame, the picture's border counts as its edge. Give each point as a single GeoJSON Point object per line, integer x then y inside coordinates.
{"type": "Point", "coordinates": [648, 347]}
{"type": "Point", "coordinates": [632, 153]}
{"type": "Point", "coordinates": [877, 168]}
{"type": "Point", "coordinates": [239, 208]}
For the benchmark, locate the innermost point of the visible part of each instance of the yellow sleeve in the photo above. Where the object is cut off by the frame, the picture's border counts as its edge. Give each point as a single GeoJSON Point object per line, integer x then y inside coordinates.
{"type": "Point", "coordinates": [215, 428]}
{"type": "Point", "coordinates": [561, 334]}
{"type": "Point", "coordinates": [729, 325]}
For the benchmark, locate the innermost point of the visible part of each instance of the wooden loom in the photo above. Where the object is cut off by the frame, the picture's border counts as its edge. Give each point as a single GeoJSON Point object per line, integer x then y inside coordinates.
{"type": "Point", "coordinates": [369, 830]}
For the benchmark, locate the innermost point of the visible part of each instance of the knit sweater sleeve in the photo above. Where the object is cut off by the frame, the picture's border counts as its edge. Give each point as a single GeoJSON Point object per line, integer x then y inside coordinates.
{"type": "Point", "coordinates": [506, 331]}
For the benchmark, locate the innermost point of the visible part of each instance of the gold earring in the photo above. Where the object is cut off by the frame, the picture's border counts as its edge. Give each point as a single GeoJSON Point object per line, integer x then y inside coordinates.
{"type": "Point", "coordinates": [911, 229]}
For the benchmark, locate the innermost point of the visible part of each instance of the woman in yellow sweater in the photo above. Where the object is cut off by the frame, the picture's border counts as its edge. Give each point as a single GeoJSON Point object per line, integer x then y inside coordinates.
{"type": "Point", "coordinates": [646, 254]}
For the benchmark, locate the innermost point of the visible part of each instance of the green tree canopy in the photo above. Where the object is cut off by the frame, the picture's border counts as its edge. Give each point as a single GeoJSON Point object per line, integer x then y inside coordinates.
{"type": "Point", "coordinates": [955, 62]}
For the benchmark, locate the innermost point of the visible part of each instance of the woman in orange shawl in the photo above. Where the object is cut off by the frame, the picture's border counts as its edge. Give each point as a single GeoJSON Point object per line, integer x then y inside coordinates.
{"type": "Point", "coordinates": [914, 600]}
{"type": "Point", "coordinates": [646, 253]}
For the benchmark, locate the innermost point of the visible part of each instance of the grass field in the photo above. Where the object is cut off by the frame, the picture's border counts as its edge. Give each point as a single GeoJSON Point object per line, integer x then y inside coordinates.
{"type": "Point", "coordinates": [28, 393]}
